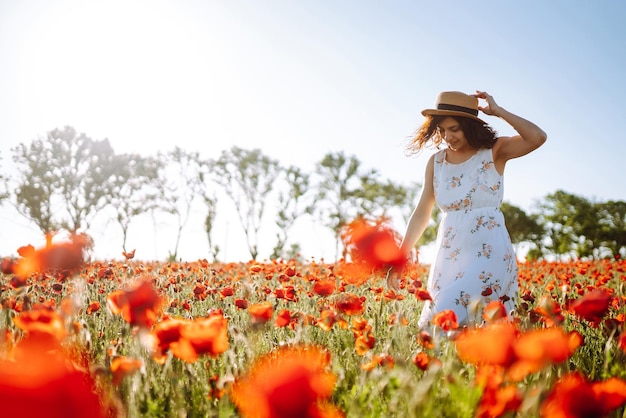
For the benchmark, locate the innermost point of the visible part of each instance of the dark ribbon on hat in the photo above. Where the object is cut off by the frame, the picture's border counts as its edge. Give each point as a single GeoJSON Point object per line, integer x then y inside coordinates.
{"type": "Point", "coordinates": [444, 106]}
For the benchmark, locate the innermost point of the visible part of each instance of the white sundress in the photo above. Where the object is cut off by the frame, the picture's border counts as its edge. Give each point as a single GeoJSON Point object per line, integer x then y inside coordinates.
{"type": "Point", "coordinates": [474, 261]}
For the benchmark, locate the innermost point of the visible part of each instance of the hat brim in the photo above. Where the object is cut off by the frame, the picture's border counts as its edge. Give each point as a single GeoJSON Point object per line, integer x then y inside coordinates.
{"type": "Point", "coordinates": [438, 112]}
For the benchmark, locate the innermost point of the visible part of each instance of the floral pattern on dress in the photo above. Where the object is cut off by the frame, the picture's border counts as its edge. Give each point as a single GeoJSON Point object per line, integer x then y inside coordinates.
{"type": "Point", "coordinates": [474, 260]}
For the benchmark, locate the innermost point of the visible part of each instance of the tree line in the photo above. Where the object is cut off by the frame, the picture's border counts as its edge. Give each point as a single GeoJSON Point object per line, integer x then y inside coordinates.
{"type": "Point", "coordinates": [67, 180]}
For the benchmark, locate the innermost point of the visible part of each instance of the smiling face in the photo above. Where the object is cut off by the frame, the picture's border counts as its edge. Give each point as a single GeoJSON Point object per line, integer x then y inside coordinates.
{"type": "Point", "coordinates": [449, 129]}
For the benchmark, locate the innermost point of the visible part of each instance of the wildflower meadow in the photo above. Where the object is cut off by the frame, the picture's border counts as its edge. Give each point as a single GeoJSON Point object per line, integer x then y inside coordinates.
{"type": "Point", "coordinates": [287, 338]}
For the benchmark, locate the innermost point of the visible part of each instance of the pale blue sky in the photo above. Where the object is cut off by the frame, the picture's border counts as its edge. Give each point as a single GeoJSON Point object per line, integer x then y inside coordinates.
{"type": "Point", "coordinates": [301, 78]}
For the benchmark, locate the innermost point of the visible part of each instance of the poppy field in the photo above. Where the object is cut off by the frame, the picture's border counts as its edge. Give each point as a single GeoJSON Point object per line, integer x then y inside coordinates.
{"type": "Point", "coordinates": [289, 338]}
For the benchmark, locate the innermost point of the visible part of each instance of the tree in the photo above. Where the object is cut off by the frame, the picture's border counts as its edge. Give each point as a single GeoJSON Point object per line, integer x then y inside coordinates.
{"type": "Point", "coordinates": [83, 174]}
{"type": "Point", "coordinates": [521, 227]}
{"type": "Point", "coordinates": [292, 205]}
{"type": "Point", "coordinates": [376, 198]}
{"type": "Point", "coordinates": [611, 233]}
{"type": "Point", "coordinates": [134, 189]}
{"type": "Point", "coordinates": [248, 179]}
{"type": "Point", "coordinates": [338, 191]}
{"type": "Point", "coordinates": [570, 223]}
{"type": "Point", "coordinates": [181, 181]}
{"type": "Point", "coordinates": [36, 185]}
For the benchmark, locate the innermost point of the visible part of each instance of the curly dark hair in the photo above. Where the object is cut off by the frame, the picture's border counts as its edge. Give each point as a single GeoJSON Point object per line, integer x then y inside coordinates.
{"type": "Point", "coordinates": [478, 135]}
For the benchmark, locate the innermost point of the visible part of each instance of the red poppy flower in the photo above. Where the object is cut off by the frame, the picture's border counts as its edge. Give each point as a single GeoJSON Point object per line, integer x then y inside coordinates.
{"type": "Point", "coordinates": [41, 321]}
{"type": "Point", "coordinates": [7, 265]}
{"type": "Point", "coordinates": [123, 366]}
{"type": "Point", "coordinates": [350, 304]}
{"type": "Point", "coordinates": [423, 361]}
{"type": "Point", "coordinates": [575, 397]}
{"type": "Point", "coordinates": [93, 307]}
{"type": "Point", "coordinates": [501, 344]}
{"type": "Point", "coordinates": [422, 294]}
{"type": "Point", "coordinates": [538, 348]}
{"type": "Point", "coordinates": [425, 340]}
{"type": "Point", "coordinates": [138, 305]}
{"type": "Point", "coordinates": [446, 320]}
{"type": "Point", "coordinates": [202, 336]}
{"type": "Point", "coordinates": [593, 306]}
{"type": "Point", "coordinates": [375, 244]}
{"type": "Point", "coordinates": [291, 382]}
{"type": "Point", "coordinates": [40, 383]}
{"type": "Point", "coordinates": [261, 312]}
{"type": "Point", "coordinates": [255, 268]}
{"type": "Point", "coordinates": [241, 303]}
{"type": "Point", "coordinates": [324, 287]}
{"type": "Point", "coordinates": [227, 291]}
{"type": "Point", "coordinates": [165, 333]}
{"type": "Point", "coordinates": [327, 319]}
{"type": "Point", "coordinates": [364, 343]}
{"type": "Point", "coordinates": [283, 318]}
{"type": "Point", "coordinates": [288, 293]}
{"type": "Point", "coordinates": [58, 256]}
{"type": "Point", "coordinates": [492, 344]}
{"type": "Point", "coordinates": [498, 400]}
{"type": "Point", "coordinates": [549, 310]}
{"type": "Point", "coordinates": [494, 311]}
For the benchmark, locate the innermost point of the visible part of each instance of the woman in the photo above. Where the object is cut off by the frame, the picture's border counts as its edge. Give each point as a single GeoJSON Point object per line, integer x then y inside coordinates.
{"type": "Point", "coordinates": [474, 261]}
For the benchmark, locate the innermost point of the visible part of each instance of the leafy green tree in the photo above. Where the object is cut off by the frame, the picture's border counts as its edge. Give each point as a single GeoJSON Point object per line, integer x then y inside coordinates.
{"type": "Point", "coordinates": [521, 226]}
{"type": "Point", "coordinates": [36, 185]}
{"type": "Point", "coordinates": [376, 198]}
{"type": "Point", "coordinates": [181, 181]}
{"type": "Point", "coordinates": [248, 177]}
{"type": "Point", "coordinates": [293, 202]}
{"type": "Point", "coordinates": [570, 223]}
{"type": "Point", "coordinates": [339, 189]}
{"type": "Point", "coordinates": [83, 173]}
{"type": "Point", "coordinates": [611, 233]}
{"type": "Point", "coordinates": [134, 189]}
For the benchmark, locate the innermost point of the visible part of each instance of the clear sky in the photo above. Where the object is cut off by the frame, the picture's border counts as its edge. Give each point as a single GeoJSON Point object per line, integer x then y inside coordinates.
{"type": "Point", "coordinates": [299, 79]}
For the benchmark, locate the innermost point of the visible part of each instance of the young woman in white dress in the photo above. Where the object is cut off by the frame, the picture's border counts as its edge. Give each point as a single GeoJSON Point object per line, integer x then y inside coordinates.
{"type": "Point", "coordinates": [474, 262]}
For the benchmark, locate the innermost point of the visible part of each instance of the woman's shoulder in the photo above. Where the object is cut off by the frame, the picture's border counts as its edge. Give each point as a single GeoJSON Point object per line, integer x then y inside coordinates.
{"type": "Point", "coordinates": [438, 156]}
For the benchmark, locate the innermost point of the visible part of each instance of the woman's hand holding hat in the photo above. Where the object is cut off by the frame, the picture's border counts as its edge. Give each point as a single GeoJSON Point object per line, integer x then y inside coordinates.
{"type": "Point", "coordinates": [492, 107]}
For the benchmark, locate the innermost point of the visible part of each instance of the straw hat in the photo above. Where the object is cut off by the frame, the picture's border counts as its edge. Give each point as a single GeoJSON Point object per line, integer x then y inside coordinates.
{"type": "Point", "coordinates": [455, 103]}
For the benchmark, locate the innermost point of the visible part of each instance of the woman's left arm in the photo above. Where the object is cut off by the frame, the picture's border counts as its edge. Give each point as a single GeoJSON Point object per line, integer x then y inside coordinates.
{"type": "Point", "coordinates": [529, 138]}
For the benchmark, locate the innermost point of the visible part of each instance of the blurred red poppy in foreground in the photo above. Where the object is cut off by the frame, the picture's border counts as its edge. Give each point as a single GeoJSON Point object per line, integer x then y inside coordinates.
{"type": "Point", "coordinates": [502, 344]}
{"type": "Point", "coordinates": [138, 305]}
{"type": "Point", "coordinates": [575, 397]}
{"type": "Point", "coordinates": [40, 383]}
{"type": "Point", "coordinates": [58, 256]}
{"type": "Point", "coordinates": [593, 306]}
{"type": "Point", "coordinates": [374, 244]}
{"type": "Point", "coordinates": [41, 321]}
{"type": "Point", "coordinates": [291, 382]}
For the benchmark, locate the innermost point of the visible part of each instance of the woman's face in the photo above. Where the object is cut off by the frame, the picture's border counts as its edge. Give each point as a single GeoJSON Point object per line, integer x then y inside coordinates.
{"type": "Point", "coordinates": [449, 129]}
